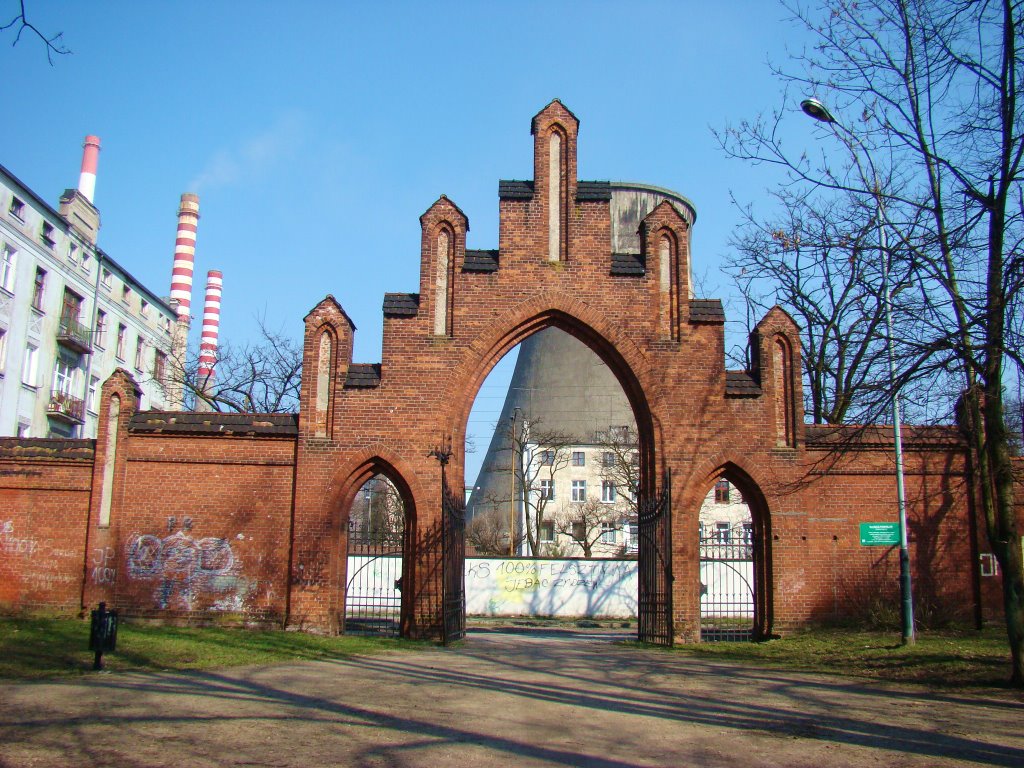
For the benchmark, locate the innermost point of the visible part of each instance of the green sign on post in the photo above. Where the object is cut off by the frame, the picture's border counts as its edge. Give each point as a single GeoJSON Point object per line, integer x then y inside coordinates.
{"type": "Point", "coordinates": [879, 534]}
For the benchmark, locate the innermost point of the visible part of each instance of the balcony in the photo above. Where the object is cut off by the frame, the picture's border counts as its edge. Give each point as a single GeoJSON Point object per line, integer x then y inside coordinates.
{"type": "Point", "coordinates": [74, 335]}
{"type": "Point", "coordinates": [66, 408]}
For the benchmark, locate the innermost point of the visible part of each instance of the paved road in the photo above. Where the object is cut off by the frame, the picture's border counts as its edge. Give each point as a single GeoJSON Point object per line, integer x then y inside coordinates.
{"type": "Point", "coordinates": [503, 699]}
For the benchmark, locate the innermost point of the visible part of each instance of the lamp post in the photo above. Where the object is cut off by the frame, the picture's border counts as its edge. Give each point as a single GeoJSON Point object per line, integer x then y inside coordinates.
{"type": "Point", "coordinates": [513, 450]}
{"type": "Point", "coordinates": [815, 109]}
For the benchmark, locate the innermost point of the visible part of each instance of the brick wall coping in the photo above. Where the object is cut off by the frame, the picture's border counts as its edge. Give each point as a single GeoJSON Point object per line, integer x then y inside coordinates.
{"type": "Point", "coordinates": [874, 436]}
{"type": "Point", "coordinates": [46, 448]}
{"type": "Point", "coordinates": [236, 424]}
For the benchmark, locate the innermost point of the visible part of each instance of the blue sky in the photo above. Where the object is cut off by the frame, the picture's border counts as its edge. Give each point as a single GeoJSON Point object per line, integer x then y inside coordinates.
{"type": "Point", "coordinates": [316, 133]}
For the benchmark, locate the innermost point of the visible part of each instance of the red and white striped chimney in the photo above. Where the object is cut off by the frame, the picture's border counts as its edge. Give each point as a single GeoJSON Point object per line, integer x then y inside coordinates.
{"type": "Point", "coordinates": [184, 254]}
{"type": "Point", "coordinates": [211, 325]}
{"type": "Point", "coordinates": [90, 164]}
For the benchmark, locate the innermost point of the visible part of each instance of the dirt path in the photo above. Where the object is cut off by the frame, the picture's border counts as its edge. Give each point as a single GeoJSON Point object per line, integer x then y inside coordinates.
{"type": "Point", "coordinates": [509, 699]}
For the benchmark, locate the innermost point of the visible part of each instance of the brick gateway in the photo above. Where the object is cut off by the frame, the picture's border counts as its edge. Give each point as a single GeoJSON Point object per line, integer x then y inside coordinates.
{"type": "Point", "coordinates": [244, 517]}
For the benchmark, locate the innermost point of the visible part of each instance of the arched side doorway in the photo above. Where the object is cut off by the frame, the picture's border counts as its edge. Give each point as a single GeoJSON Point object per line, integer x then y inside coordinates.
{"type": "Point", "coordinates": [734, 543]}
{"type": "Point", "coordinates": [376, 552]}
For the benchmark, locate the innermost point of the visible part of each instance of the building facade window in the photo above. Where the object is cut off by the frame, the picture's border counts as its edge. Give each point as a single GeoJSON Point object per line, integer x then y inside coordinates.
{"type": "Point", "coordinates": [3, 350]}
{"type": "Point", "coordinates": [122, 333]}
{"type": "Point", "coordinates": [8, 263]}
{"type": "Point", "coordinates": [608, 459]}
{"type": "Point", "coordinates": [144, 309]}
{"type": "Point", "coordinates": [39, 289]}
{"type": "Point", "coordinates": [160, 367]}
{"type": "Point", "coordinates": [17, 209]}
{"type": "Point", "coordinates": [92, 402]}
{"type": "Point", "coordinates": [608, 532]}
{"type": "Point", "coordinates": [140, 352]}
{"type": "Point", "coordinates": [547, 458]}
{"type": "Point", "coordinates": [723, 534]}
{"type": "Point", "coordinates": [722, 491]}
{"type": "Point", "coordinates": [579, 490]}
{"type": "Point", "coordinates": [607, 492]}
{"type": "Point", "coordinates": [46, 234]}
{"type": "Point", "coordinates": [579, 458]}
{"type": "Point", "coordinates": [64, 370]}
{"type": "Point", "coordinates": [106, 280]}
{"type": "Point", "coordinates": [100, 334]}
{"type": "Point", "coordinates": [72, 253]}
{"type": "Point", "coordinates": [547, 531]}
{"type": "Point", "coordinates": [126, 295]}
{"type": "Point", "coordinates": [547, 490]}
{"type": "Point", "coordinates": [30, 366]}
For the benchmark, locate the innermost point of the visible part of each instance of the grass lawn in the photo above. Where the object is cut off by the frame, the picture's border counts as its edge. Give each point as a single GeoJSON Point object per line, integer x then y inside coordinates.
{"type": "Point", "coordinates": [41, 647]}
{"type": "Point", "coordinates": [946, 658]}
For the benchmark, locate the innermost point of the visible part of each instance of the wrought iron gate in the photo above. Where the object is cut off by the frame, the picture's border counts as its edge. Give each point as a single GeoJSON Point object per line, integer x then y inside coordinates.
{"type": "Point", "coordinates": [373, 591]}
{"type": "Point", "coordinates": [655, 567]}
{"type": "Point", "coordinates": [453, 558]}
{"type": "Point", "coordinates": [727, 582]}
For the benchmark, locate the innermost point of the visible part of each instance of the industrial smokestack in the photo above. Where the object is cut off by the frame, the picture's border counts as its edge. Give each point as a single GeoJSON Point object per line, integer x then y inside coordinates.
{"type": "Point", "coordinates": [184, 254]}
{"type": "Point", "coordinates": [90, 163]}
{"type": "Point", "coordinates": [211, 327]}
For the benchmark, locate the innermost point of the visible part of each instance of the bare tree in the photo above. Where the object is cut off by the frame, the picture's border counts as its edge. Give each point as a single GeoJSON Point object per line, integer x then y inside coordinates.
{"type": "Point", "coordinates": [378, 512]}
{"type": "Point", "coordinates": [620, 465]}
{"type": "Point", "coordinates": [488, 531]}
{"type": "Point", "coordinates": [539, 456]}
{"type": "Point", "coordinates": [586, 523]}
{"type": "Point", "coordinates": [262, 376]}
{"type": "Point", "coordinates": [938, 146]}
{"type": "Point", "coordinates": [20, 23]}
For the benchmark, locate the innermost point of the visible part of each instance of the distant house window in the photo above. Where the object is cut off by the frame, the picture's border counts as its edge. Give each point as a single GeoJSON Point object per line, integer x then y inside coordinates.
{"type": "Point", "coordinates": [547, 458]}
{"type": "Point", "coordinates": [30, 366]}
{"type": "Point", "coordinates": [547, 490]}
{"type": "Point", "coordinates": [46, 234]}
{"type": "Point", "coordinates": [579, 458]}
{"type": "Point", "coordinates": [579, 531]}
{"type": "Point", "coordinates": [608, 459]}
{"type": "Point", "coordinates": [86, 260]}
{"type": "Point", "coordinates": [72, 309]}
{"type": "Point", "coordinates": [608, 531]}
{"type": "Point", "coordinates": [63, 376]}
{"type": "Point", "coordinates": [72, 253]}
{"type": "Point", "coordinates": [23, 428]}
{"type": "Point", "coordinates": [579, 490]}
{"type": "Point", "coordinates": [748, 533]}
{"type": "Point", "coordinates": [723, 534]}
{"type": "Point", "coordinates": [122, 333]}
{"type": "Point", "coordinates": [607, 492]}
{"type": "Point", "coordinates": [722, 491]}
{"type": "Point", "coordinates": [160, 367]}
{"type": "Point", "coordinates": [94, 387]}
{"type": "Point", "coordinates": [144, 309]}
{"type": "Point", "coordinates": [126, 294]}
{"type": "Point", "coordinates": [101, 329]}
{"type": "Point", "coordinates": [547, 531]}
{"type": "Point", "coordinates": [39, 289]}
{"type": "Point", "coordinates": [17, 209]}
{"type": "Point", "coordinates": [140, 351]}
{"type": "Point", "coordinates": [8, 261]}
{"type": "Point", "coordinates": [3, 350]}
{"type": "Point", "coordinates": [106, 280]}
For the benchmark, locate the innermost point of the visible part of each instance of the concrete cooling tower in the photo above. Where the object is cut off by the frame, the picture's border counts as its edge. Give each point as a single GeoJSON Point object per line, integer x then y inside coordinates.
{"type": "Point", "coordinates": [559, 383]}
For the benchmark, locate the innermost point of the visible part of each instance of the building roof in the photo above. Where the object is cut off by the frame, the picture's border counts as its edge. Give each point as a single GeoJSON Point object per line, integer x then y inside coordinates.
{"type": "Point", "coordinates": [874, 436]}
{"type": "Point", "coordinates": [363, 376]}
{"type": "Point", "coordinates": [480, 261]}
{"type": "Point", "coordinates": [107, 259]}
{"type": "Point", "coordinates": [401, 304]}
{"type": "Point", "coordinates": [628, 264]}
{"type": "Point", "coordinates": [741, 384]}
{"type": "Point", "coordinates": [706, 311]}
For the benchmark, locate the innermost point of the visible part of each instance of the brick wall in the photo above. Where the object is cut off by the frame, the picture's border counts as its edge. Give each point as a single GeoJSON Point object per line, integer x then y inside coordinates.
{"type": "Point", "coordinates": [245, 517]}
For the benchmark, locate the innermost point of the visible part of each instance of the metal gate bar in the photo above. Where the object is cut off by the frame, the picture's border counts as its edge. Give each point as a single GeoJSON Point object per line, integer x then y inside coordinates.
{"type": "Point", "coordinates": [373, 598]}
{"type": "Point", "coordinates": [727, 583]}
{"type": "Point", "coordinates": [655, 567]}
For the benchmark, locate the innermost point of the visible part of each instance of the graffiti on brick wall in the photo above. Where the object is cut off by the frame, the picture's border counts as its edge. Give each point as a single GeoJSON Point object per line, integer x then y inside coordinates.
{"type": "Point", "coordinates": [104, 567]}
{"type": "Point", "coordinates": [10, 544]}
{"type": "Point", "coordinates": [41, 566]}
{"type": "Point", "coordinates": [188, 574]}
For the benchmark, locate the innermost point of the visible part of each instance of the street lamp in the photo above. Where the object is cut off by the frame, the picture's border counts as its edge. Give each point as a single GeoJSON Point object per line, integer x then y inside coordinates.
{"type": "Point", "coordinates": [815, 109]}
